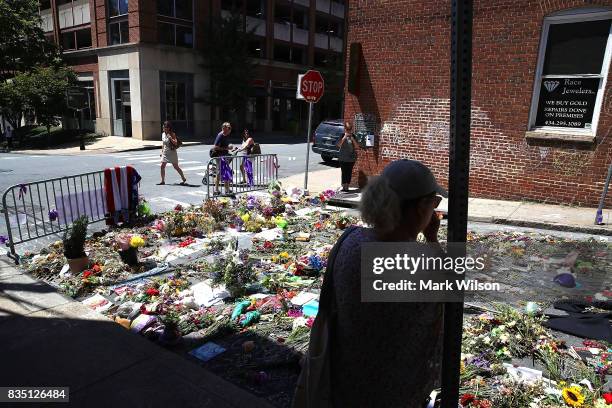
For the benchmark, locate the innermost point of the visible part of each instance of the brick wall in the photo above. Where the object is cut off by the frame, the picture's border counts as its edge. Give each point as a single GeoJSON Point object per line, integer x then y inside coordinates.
{"type": "Point", "coordinates": [404, 81]}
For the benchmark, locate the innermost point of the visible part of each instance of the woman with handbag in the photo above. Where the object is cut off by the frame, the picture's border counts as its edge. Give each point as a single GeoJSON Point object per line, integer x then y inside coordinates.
{"type": "Point", "coordinates": [170, 142]}
{"type": "Point", "coordinates": [367, 354]}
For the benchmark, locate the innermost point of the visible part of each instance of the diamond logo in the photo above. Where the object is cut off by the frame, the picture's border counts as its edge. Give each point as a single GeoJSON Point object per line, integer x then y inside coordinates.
{"type": "Point", "coordinates": [551, 85]}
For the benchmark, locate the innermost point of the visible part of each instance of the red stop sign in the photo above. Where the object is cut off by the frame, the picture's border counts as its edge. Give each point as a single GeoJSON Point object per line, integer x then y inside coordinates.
{"type": "Point", "coordinates": [312, 86]}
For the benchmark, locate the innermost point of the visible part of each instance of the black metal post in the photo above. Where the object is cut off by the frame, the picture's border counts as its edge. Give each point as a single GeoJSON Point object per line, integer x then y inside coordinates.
{"type": "Point", "coordinates": [458, 183]}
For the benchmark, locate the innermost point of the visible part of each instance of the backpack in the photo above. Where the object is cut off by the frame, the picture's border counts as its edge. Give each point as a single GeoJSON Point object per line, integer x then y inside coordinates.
{"type": "Point", "coordinates": [256, 149]}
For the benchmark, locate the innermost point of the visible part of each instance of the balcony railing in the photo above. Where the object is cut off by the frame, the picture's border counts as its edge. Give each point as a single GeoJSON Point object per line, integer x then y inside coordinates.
{"type": "Point", "coordinates": [335, 44]}
{"type": "Point", "coordinates": [321, 41]}
{"type": "Point", "coordinates": [282, 32]}
{"type": "Point", "coordinates": [337, 9]}
{"type": "Point", "coordinates": [323, 6]}
{"type": "Point", "coordinates": [300, 36]}
{"type": "Point", "coordinates": [258, 24]}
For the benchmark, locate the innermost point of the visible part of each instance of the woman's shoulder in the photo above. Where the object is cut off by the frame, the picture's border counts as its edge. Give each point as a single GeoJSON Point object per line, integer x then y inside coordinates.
{"type": "Point", "coordinates": [356, 237]}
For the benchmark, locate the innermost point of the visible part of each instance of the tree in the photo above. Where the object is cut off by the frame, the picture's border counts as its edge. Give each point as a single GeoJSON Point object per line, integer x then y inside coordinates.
{"type": "Point", "coordinates": [12, 102]}
{"type": "Point", "coordinates": [45, 91]}
{"type": "Point", "coordinates": [229, 63]}
{"type": "Point", "coordinates": [22, 41]}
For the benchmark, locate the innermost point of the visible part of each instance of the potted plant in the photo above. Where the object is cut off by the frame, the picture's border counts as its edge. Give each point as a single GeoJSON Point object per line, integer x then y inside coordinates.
{"type": "Point", "coordinates": [128, 247]}
{"type": "Point", "coordinates": [74, 245]}
{"type": "Point", "coordinates": [171, 334]}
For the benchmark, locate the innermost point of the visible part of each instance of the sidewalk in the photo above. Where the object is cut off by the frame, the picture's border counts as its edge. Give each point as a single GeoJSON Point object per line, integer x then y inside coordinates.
{"type": "Point", "coordinates": [559, 217]}
{"type": "Point", "coordinates": [51, 340]}
{"type": "Point", "coordinates": [107, 144]}
{"type": "Point", "coordinates": [115, 144]}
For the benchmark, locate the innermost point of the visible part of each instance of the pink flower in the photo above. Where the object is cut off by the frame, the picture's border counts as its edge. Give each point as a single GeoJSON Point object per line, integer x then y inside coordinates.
{"type": "Point", "coordinates": [310, 321]}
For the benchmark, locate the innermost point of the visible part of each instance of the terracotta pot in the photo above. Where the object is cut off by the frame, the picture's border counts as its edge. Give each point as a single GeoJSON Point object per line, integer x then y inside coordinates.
{"type": "Point", "coordinates": [78, 265]}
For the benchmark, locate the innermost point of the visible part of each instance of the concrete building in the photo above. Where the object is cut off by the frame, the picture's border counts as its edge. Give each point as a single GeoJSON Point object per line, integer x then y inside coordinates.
{"type": "Point", "coordinates": [541, 118]}
{"type": "Point", "coordinates": [140, 63]}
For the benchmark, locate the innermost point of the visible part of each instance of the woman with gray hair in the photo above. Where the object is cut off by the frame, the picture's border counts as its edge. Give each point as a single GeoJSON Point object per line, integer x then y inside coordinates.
{"type": "Point", "coordinates": [383, 354]}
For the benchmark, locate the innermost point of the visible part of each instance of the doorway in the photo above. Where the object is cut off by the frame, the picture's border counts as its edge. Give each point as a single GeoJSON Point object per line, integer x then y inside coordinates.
{"type": "Point", "coordinates": [122, 113]}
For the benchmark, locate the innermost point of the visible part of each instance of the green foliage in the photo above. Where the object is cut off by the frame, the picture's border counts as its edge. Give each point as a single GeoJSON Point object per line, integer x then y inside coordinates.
{"type": "Point", "coordinates": [22, 41]}
{"type": "Point", "coordinates": [227, 58]}
{"type": "Point", "coordinates": [74, 239]}
{"type": "Point", "coordinates": [42, 91]}
{"type": "Point", "coordinates": [45, 91]}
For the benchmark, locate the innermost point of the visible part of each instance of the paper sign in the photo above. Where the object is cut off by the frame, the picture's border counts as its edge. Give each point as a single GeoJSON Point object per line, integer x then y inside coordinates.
{"type": "Point", "coordinates": [207, 351]}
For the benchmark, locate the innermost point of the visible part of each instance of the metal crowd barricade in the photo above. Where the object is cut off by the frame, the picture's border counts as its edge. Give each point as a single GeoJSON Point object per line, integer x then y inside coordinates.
{"type": "Point", "coordinates": [43, 208]}
{"type": "Point", "coordinates": [265, 170]}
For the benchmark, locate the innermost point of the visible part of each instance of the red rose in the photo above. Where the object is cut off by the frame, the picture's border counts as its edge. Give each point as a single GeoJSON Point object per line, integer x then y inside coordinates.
{"type": "Point", "coordinates": [152, 292]}
{"type": "Point", "coordinates": [268, 245]}
{"type": "Point", "coordinates": [96, 268]}
{"type": "Point", "coordinates": [608, 397]}
{"type": "Point", "coordinates": [467, 399]}
{"type": "Point", "coordinates": [178, 207]}
{"type": "Point", "coordinates": [87, 274]}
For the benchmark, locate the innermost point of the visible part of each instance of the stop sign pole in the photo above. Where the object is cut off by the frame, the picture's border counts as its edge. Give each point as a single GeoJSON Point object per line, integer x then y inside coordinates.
{"type": "Point", "coordinates": [311, 88]}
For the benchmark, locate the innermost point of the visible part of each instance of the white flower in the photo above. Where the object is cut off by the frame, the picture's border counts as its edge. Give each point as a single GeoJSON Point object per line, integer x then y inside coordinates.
{"type": "Point", "coordinates": [504, 337]}
{"type": "Point", "coordinates": [519, 337]}
{"type": "Point", "coordinates": [487, 340]}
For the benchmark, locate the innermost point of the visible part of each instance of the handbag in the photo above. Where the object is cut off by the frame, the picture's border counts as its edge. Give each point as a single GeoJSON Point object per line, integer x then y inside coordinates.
{"type": "Point", "coordinates": [313, 388]}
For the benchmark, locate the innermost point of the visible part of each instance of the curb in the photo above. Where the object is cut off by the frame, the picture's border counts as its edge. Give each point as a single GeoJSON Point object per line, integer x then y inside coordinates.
{"type": "Point", "coordinates": [595, 230]}
{"type": "Point", "coordinates": [94, 151]}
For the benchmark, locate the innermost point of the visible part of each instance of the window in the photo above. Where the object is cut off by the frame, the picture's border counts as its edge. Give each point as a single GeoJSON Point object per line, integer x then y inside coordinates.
{"type": "Point", "coordinates": [282, 52]}
{"type": "Point", "coordinates": [300, 18]}
{"type": "Point", "coordinates": [256, 9]}
{"type": "Point", "coordinates": [184, 36]}
{"type": "Point", "coordinates": [572, 70]}
{"type": "Point", "coordinates": [287, 53]}
{"type": "Point", "coordinates": [119, 32]}
{"type": "Point", "coordinates": [175, 34]}
{"type": "Point", "coordinates": [231, 5]}
{"type": "Point", "coordinates": [282, 14]}
{"type": "Point", "coordinates": [298, 55]}
{"type": "Point", "coordinates": [182, 9]}
{"type": "Point", "coordinates": [79, 39]}
{"type": "Point", "coordinates": [68, 41]}
{"type": "Point", "coordinates": [321, 25]}
{"type": "Point", "coordinates": [118, 27]}
{"type": "Point", "coordinates": [175, 101]}
{"type": "Point", "coordinates": [83, 38]}
{"type": "Point", "coordinates": [118, 7]}
{"type": "Point", "coordinates": [166, 33]}
{"type": "Point", "coordinates": [320, 59]}
{"type": "Point", "coordinates": [256, 48]}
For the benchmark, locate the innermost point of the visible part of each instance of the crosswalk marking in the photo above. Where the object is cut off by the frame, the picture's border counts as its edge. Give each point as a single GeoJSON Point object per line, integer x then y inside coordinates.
{"type": "Point", "coordinates": [150, 161]}
{"type": "Point", "coordinates": [185, 162]}
{"type": "Point", "coordinates": [147, 157]}
{"type": "Point", "coordinates": [194, 168]}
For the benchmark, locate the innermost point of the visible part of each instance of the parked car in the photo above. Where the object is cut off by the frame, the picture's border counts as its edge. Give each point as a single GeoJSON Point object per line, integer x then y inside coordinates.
{"type": "Point", "coordinates": [326, 137]}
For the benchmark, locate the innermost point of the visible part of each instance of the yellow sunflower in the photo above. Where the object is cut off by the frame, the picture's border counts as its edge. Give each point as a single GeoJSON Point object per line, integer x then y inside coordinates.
{"type": "Point", "coordinates": [573, 397]}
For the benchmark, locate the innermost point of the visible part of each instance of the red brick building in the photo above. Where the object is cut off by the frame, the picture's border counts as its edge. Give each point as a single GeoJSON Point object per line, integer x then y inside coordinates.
{"type": "Point", "coordinates": [141, 63]}
{"type": "Point", "coordinates": [542, 100]}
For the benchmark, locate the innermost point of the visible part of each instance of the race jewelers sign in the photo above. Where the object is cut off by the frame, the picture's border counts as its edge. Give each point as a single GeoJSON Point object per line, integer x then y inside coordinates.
{"type": "Point", "coordinates": [567, 102]}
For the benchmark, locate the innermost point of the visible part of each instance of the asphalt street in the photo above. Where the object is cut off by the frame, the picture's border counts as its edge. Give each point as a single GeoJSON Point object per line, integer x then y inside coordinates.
{"type": "Point", "coordinates": [16, 168]}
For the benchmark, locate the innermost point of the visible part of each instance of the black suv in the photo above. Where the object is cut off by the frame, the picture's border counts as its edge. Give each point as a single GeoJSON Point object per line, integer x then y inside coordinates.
{"type": "Point", "coordinates": [326, 137]}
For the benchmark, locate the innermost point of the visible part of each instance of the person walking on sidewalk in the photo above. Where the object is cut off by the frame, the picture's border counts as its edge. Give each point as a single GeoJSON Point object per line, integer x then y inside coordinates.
{"type": "Point", "coordinates": [170, 143]}
{"type": "Point", "coordinates": [219, 150]}
{"type": "Point", "coordinates": [347, 155]}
